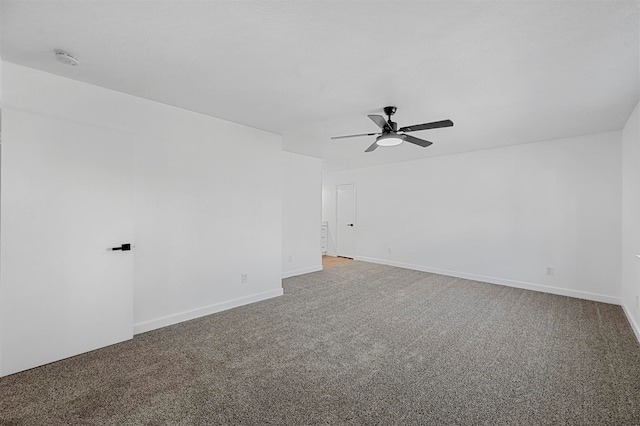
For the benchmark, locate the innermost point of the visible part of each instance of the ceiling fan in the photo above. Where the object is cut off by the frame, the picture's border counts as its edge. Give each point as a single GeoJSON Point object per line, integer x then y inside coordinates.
{"type": "Point", "coordinates": [390, 135]}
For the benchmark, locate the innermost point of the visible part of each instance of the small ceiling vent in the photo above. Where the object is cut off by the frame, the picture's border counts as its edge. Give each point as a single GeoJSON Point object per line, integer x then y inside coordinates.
{"type": "Point", "coordinates": [66, 58]}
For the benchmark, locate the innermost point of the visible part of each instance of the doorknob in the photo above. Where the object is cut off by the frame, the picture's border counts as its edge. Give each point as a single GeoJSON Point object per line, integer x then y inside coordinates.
{"type": "Point", "coordinates": [349, 224]}
{"type": "Point", "coordinates": [123, 247]}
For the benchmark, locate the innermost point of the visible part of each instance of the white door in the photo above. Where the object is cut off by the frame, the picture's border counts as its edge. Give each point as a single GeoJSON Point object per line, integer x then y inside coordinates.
{"type": "Point", "coordinates": [346, 232]}
{"type": "Point", "coordinates": [67, 197]}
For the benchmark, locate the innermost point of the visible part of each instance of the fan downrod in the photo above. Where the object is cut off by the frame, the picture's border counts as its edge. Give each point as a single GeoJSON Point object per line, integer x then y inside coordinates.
{"type": "Point", "coordinates": [391, 126]}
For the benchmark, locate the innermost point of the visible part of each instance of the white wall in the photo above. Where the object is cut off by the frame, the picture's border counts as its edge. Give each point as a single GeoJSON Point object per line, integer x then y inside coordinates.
{"type": "Point", "coordinates": [207, 210]}
{"type": "Point", "coordinates": [631, 219]}
{"type": "Point", "coordinates": [301, 210]}
{"type": "Point", "coordinates": [207, 196]}
{"type": "Point", "coordinates": [502, 215]}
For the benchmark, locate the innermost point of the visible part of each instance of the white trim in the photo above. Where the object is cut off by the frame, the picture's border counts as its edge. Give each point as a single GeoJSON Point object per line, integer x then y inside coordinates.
{"type": "Point", "coordinates": [632, 321]}
{"type": "Point", "coordinates": [302, 271]}
{"type": "Point", "coordinates": [331, 253]}
{"type": "Point", "coordinates": [501, 281]}
{"type": "Point", "coordinates": [143, 327]}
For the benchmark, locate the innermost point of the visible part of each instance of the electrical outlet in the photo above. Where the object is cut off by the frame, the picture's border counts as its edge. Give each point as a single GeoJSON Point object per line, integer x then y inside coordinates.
{"type": "Point", "coordinates": [244, 278]}
{"type": "Point", "coordinates": [550, 271]}
{"type": "Point", "coordinates": [290, 259]}
{"type": "Point", "coordinates": [389, 250]}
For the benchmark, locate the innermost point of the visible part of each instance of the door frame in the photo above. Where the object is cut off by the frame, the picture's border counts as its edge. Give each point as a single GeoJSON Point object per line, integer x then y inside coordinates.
{"type": "Point", "coordinates": [355, 212]}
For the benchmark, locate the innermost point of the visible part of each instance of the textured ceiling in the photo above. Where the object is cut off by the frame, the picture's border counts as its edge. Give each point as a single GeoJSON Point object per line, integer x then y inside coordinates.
{"type": "Point", "coordinates": [505, 72]}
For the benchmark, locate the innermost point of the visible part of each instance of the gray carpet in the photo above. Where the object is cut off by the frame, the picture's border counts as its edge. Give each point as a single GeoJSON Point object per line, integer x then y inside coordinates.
{"type": "Point", "coordinates": [357, 344]}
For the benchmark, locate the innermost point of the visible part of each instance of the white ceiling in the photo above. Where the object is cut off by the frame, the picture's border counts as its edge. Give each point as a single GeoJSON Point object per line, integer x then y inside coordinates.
{"type": "Point", "coordinates": [505, 72]}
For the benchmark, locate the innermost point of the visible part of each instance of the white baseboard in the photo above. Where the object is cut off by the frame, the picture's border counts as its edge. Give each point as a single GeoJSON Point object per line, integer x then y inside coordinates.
{"type": "Point", "coordinates": [143, 327]}
{"type": "Point", "coordinates": [302, 271]}
{"type": "Point", "coordinates": [501, 281]}
{"type": "Point", "coordinates": [632, 321]}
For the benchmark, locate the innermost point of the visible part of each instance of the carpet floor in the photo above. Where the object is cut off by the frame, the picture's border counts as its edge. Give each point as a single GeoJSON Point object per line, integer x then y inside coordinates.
{"type": "Point", "coordinates": [355, 344]}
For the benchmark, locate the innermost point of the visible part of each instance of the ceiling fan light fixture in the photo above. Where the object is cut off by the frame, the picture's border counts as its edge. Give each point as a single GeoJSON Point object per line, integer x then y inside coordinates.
{"type": "Point", "coordinates": [390, 139]}
{"type": "Point", "coordinates": [389, 135]}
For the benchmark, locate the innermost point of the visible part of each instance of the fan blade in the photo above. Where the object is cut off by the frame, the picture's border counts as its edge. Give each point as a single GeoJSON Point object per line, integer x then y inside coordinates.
{"type": "Point", "coordinates": [425, 126]}
{"type": "Point", "coordinates": [379, 120]}
{"type": "Point", "coordinates": [421, 142]}
{"type": "Point", "coordinates": [372, 147]}
{"type": "Point", "coordinates": [354, 136]}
